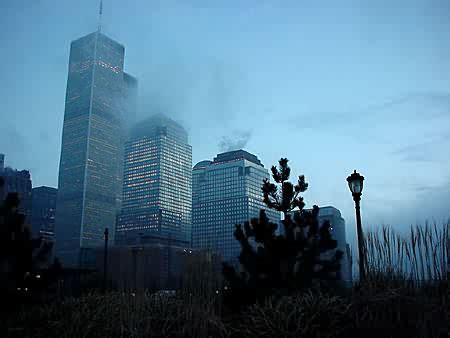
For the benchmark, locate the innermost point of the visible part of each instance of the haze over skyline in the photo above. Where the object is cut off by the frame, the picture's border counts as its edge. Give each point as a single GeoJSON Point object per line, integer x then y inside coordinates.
{"type": "Point", "coordinates": [332, 87]}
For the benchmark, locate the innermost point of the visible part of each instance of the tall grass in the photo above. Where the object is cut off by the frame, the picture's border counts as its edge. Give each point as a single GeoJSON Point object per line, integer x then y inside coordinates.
{"type": "Point", "coordinates": [421, 256]}
{"type": "Point", "coordinates": [117, 314]}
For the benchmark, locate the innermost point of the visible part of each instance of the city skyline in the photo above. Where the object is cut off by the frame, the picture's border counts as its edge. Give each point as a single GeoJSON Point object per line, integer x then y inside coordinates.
{"type": "Point", "coordinates": [205, 168]}
{"type": "Point", "coordinates": [325, 79]}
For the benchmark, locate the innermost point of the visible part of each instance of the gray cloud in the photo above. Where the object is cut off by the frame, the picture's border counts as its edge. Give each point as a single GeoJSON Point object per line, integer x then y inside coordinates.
{"type": "Point", "coordinates": [427, 104]}
{"type": "Point", "coordinates": [238, 140]}
{"type": "Point", "coordinates": [429, 151]}
{"type": "Point", "coordinates": [425, 203]}
{"type": "Point", "coordinates": [438, 100]}
{"type": "Point", "coordinates": [223, 91]}
{"type": "Point", "coordinates": [432, 203]}
{"type": "Point", "coordinates": [14, 145]}
{"type": "Point", "coordinates": [422, 152]}
{"type": "Point", "coordinates": [166, 88]}
{"type": "Point", "coordinates": [12, 140]}
{"type": "Point", "coordinates": [207, 90]}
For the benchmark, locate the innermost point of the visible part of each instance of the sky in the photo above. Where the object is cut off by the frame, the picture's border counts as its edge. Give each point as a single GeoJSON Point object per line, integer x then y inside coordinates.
{"type": "Point", "coordinates": [331, 85]}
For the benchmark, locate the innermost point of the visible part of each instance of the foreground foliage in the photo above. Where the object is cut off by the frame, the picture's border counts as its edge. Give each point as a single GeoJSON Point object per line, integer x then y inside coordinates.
{"type": "Point", "coordinates": [272, 263]}
{"type": "Point", "coordinates": [420, 255]}
{"type": "Point", "coordinates": [118, 314]}
{"type": "Point", "coordinates": [386, 305]}
{"type": "Point", "coordinates": [388, 312]}
{"type": "Point", "coordinates": [24, 270]}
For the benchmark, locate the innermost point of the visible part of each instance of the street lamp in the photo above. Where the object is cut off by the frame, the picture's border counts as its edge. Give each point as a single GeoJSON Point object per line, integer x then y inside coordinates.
{"type": "Point", "coordinates": [105, 259]}
{"type": "Point", "coordinates": [355, 183]}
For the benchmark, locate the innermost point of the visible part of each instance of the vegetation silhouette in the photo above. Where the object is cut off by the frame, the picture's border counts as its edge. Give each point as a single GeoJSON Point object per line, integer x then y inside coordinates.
{"type": "Point", "coordinates": [23, 259]}
{"type": "Point", "coordinates": [281, 264]}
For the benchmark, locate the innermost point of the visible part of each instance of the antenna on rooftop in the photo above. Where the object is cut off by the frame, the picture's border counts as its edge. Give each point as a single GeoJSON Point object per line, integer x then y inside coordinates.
{"type": "Point", "coordinates": [100, 12]}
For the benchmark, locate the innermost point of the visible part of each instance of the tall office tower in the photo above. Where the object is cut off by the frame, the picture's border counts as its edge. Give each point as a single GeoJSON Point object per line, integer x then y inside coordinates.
{"type": "Point", "coordinates": [157, 185]}
{"type": "Point", "coordinates": [43, 212]}
{"type": "Point", "coordinates": [90, 172]}
{"type": "Point", "coordinates": [225, 192]}
{"type": "Point", "coordinates": [17, 181]}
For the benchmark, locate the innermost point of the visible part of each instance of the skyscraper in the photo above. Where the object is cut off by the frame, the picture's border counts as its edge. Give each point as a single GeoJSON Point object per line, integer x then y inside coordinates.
{"type": "Point", "coordinates": [157, 185]}
{"type": "Point", "coordinates": [43, 212]}
{"type": "Point", "coordinates": [225, 192]}
{"type": "Point", "coordinates": [90, 172]}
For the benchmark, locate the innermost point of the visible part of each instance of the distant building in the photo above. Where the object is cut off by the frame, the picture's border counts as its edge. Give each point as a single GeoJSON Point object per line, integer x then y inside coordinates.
{"type": "Point", "coordinates": [99, 100]}
{"type": "Point", "coordinates": [2, 166]}
{"type": "Point", "coordinates": [130, 91]}
{"type": "Point", "coordinates": [157, 185]}
{"type": "Point", "coordinates": [337, 229]}
{"type": "Point", "coordinates": [19, 182]}
{"type": "Point", "coordinates": [43, 212]}
{"type": "Point", "coordinates": [159, 267]}
{"type": "Point", "coordinates": [2, 162]}
{"type": "Point", "coordinates": [226, 191]}
{"type": "Point", "coordinates": [333, 215]}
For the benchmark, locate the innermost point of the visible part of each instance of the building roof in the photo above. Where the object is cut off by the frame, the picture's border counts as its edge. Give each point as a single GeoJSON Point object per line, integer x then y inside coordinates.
{"type": "Point", "coordinates": [152, 126]}
{"type": "Point", "coordinates": [237, 155]}
{"type": "Point", "coordinates": [202, 164]}
{"type": "Point", "coordinates": [45, 188]}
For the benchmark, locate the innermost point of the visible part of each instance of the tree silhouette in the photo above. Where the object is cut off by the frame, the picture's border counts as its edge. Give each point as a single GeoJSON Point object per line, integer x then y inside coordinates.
{"type": "Point", "coordinates": [21, 257]}
{"type": "Point", "coordinates": [284, 263]}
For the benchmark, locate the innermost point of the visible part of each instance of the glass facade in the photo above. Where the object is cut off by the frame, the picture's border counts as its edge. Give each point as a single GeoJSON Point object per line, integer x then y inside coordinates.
{"type": "Point", "coordinates": [157, 185]}
{"type": "Point", "coordinates": [43, 212]}
{"type": "Point", "coordinates": [90, 172]}
{"type": "Point", "coordinates": [225, 192]}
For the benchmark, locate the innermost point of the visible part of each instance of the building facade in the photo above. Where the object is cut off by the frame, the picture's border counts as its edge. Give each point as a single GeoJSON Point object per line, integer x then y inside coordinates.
{"type": "Point", "coordinates": [90, 171]}
{"type": "Point", "coordinates": [225, 192]}
{"type": "Point", "coordinates": [43, 212]}
{"type": "Point", "coordinates": [160, 267]}
{"type": "Point", "coordinates": [17, 181]}
{"type": "Point", "coordinates": [337, 229]}
{"type": "Point", "coordinates": [157, 185]}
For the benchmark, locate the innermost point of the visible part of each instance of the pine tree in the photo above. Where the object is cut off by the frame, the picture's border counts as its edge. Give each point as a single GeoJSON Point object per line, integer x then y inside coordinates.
{"type": "Point", "coordinates": [280, 264]}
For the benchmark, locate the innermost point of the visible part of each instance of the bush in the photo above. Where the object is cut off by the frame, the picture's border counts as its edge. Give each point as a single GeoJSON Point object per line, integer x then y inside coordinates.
{"type": "Point", "coordinates": [312, 314]}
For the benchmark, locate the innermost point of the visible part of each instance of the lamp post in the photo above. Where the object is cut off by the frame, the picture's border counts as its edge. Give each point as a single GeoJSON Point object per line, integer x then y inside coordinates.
{"type": "Point", "coordinates": [105, 260]}
{"type": "Point", "coordinates": [355, 183]}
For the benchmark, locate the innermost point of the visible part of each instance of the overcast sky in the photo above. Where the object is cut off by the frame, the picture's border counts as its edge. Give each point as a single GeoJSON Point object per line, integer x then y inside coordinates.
{"type": "Point", "coordinates": [331, 85]}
